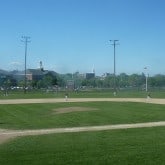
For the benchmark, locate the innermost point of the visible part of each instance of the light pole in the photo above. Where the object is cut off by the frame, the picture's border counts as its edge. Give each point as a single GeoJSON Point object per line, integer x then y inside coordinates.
{"type": "Point", "coordinates": [114, 45]}
{"type": "Point", "coordinates": [25, 39]}
{"type": "Point", "coordinates": [146, 79]}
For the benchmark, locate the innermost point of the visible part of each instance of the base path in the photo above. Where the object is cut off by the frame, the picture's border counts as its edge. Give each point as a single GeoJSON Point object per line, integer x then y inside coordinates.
{"type": "Point", "coordinates": [61, 100]}
{"type": "Point", "coordinates": [8, 134]}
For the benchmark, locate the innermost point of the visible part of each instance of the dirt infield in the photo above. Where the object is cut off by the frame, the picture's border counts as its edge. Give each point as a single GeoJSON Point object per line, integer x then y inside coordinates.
{"type": "Point", "coordinates": [6, 135]}
{"type": "Point", "coordinates": [60, 100]}
{"type": "Point", "coordinates": [73, 109]}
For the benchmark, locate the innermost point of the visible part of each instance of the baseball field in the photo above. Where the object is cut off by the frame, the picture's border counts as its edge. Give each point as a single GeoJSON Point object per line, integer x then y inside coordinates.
{"type": "Point", "coordinates": [82, 131]}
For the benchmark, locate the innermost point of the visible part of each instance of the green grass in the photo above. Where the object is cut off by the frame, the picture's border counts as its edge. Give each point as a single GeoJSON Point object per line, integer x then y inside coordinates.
{"type": "Point", "coordinates": [37, 116]}
{"type": "Point", "coordinates": [118, 147]}
{"type": "Point", "coordinates": [83, 94]}
{"type": "Point", "coordinates": [143, 146]}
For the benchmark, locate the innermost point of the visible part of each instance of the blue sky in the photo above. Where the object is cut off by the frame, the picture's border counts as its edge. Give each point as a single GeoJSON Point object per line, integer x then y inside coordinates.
{"type": "Point", "coordinates": [72, 35]}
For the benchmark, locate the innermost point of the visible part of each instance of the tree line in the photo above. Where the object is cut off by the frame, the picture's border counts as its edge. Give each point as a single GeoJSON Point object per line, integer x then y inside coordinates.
{"type": "Point", "coordinates": [122, 80]}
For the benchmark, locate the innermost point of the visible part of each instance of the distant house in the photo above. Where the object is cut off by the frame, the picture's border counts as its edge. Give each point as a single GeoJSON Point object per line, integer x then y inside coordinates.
{"type": "Point", "coordinates": [35, 74]}
{"type": "Point", "coordinates": [89, 75]}
{"type": "Point", "coordinates": [32, 74]}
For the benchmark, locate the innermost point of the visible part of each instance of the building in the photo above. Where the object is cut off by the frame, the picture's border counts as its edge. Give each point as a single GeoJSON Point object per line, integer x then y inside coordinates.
{"type": "Point", "coordinates": [89, 75]}
{"type": "Point", "coordinates": [35, 74]}
{"type": "Point", "coordinates": [32, 74]}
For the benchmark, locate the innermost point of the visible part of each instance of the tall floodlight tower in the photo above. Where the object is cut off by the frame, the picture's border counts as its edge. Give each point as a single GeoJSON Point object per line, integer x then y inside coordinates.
{"type": "Point", "coordinates": [145, 68]}
{"type": "Point", "coordinates": [25, 40]}
{"type": "Point", "coordinates": [114, 43]}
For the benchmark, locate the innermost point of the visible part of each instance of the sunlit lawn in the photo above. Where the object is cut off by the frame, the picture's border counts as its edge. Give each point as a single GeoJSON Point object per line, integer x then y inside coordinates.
{"type": "Point", "coordinates": [118, 147]}
{"type": "Point", "coordinates": [34, 116]}
{"type": "Point", "coordinates": [82, 94]}
{"type": "Point", "coordinates": [129, 146]}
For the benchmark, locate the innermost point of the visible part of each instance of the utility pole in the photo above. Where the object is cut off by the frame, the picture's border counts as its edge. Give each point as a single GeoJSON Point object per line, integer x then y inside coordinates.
{"type": "Point", "coordinates": [146, 78]}
{"type": "Point", "coordinates": [114, 45]}
{"type": "Point", "coordinates": [25, 40]}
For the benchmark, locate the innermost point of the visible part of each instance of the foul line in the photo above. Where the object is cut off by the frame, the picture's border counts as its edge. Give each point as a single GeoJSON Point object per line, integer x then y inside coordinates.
{"type": "Point", "coordinates": [79, 129]}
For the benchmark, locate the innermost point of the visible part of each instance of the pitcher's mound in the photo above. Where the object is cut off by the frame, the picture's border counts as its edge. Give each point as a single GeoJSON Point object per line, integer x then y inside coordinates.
{"type": "Point", "coordinates": [73, 109]}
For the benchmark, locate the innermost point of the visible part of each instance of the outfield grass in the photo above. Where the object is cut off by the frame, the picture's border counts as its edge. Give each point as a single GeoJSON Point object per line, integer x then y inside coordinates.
{"type": "Point", "coordinates": [37, 116]}
{"type": "Point", "coordinates": [83, 94]}
{"type": "Point", "coordinates": [117, 147]}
